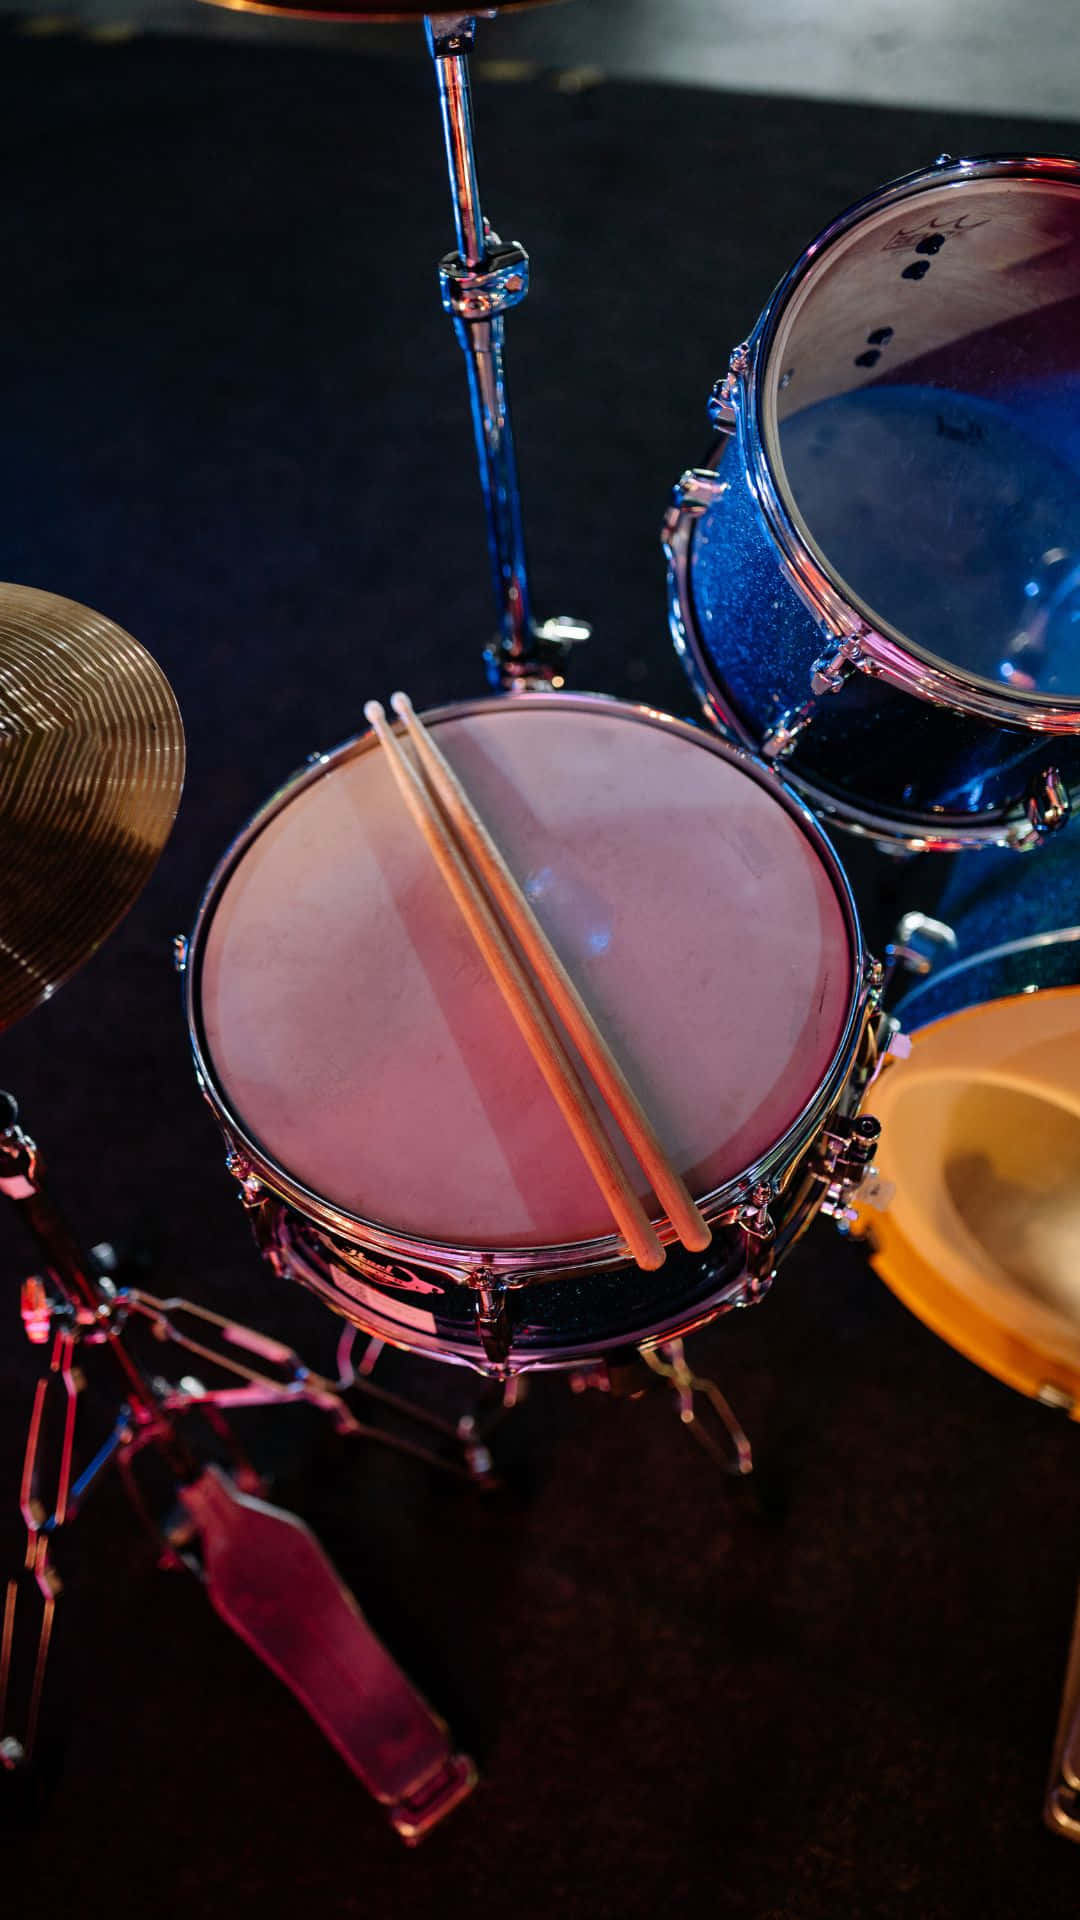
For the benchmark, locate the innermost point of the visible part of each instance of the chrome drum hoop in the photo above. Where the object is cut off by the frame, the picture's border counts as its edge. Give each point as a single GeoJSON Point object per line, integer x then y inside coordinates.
{"type": "Point", "coordinates": [884, 651]}
{"type": "Point", "coordinates": [913, 833]}
{"type": "Point", "coordinates": [261, 1175]}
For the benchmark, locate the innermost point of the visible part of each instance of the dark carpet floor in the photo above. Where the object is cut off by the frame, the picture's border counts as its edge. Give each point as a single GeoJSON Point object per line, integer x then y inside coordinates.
{"type": "Point", "coordinates": [232, 417]}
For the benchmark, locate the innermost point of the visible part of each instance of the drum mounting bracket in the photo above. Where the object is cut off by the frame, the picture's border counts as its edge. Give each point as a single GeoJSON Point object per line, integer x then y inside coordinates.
{"type": "Point", "coordinates": [1047, 806]}
{"type": "Point", "coordinates": [758, 1230]}
{"type": "Point", "coordinates": [723, 398]}
{"type": "Point", "coordinates": [846, 1155]}
{"type": "Point", "coordinates": [830, 672]}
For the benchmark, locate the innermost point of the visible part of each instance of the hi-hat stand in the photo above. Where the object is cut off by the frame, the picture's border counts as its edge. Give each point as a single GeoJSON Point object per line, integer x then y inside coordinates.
{"type": "Point", "coordinates": [480, 283]}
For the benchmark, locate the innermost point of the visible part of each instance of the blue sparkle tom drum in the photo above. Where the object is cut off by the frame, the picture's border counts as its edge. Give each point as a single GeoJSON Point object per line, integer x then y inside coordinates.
{"type": "Point", "coordinates": [875, 579]}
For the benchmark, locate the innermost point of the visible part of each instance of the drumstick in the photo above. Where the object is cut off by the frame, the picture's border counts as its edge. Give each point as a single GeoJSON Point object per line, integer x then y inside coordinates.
{"type": "Point", "coordinates": [671, 1189]}
{"type": "Point", "coordinates": [517, 990]}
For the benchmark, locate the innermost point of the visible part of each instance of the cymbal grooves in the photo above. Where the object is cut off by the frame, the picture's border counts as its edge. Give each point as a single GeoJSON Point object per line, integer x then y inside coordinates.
{"type": "Point", "coordinates": [91, 767]}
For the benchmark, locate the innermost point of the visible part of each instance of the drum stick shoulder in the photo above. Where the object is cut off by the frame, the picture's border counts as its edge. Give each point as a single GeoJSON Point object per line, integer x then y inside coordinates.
{"type": "Point", "coordinates": [528, 1011]}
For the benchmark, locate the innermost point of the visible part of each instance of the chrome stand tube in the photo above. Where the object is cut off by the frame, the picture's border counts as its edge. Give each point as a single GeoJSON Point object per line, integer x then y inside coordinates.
{"type": "Point", "coordinates": [480, 282]}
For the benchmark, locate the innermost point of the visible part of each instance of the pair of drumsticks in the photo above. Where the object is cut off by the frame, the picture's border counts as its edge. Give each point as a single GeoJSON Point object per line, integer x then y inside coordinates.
{"type": "Point", "coordinates": [482, 887]}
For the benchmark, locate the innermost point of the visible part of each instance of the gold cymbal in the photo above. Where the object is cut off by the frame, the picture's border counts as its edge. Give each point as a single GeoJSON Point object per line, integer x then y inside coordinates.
{"type": "Point", "coordinates": [91, 767]}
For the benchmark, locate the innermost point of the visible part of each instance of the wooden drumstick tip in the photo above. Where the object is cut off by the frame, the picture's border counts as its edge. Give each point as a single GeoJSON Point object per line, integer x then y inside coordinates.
{"type": "Point", "coordinates": [375, 712]}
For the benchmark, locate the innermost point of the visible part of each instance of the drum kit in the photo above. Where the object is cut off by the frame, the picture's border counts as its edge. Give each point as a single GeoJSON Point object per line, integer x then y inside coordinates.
{"type": "Point", "coordinates": [475, 1095]}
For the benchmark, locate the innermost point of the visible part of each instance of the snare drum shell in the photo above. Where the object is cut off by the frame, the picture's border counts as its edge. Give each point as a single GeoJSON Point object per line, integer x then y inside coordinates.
{"type": "Point", "coordinates": [557, 1323]}
{"type": "Point", "coordinates": [871, 752]}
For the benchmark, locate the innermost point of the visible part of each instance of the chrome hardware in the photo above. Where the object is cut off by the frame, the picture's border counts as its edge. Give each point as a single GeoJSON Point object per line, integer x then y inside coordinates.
{"type": "Point", "coordinates": [480, 282]}
{"type": "Point", "coordinates": [669, 1361]}
{"type": "Point", "coordinates": [545, 665]}
{"type": "Point", "coordinates": [563, 631]}
{"type": "Point", "coordinates": [754, 1216]}
{"type": "Point", "coordinates": [846, 1152]}
{"type": "Point", "coordinates": [781, 737]}
{"type": "Point", "coordinates": [451, 33]}
{"type": "Point", "coordinates": [758, 1230]}
{"type": "Point", "coordinates": [179, 952]}
{"type": "Point", "coordinates": [695, 491]}
{"type": "Point", "coordinates": [1047, 805]}
{"type": "Point", "coordinates": [252, 1191]}
{"type": "Point", "coordinates": [723, 400]}
{"type": "Point", "coordinates": [481, 293]}
{"type": "Point", "coordinates": [832, 668]}
{"type": "Point", "coordinates": [918, 945]}
{"type": "Point", "coordinates": [830, 672]}
{"type": "Point", "coordinates": [493, 1320]}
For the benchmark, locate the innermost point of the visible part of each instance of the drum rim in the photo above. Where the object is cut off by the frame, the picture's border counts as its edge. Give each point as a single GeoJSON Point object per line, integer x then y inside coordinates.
{"type": "Point", "coordinates": [918, 832]}
{"type": "Point", "coordinates": [524, 1264]}
{"type": "Point", "coordinates": [1001, 950]}
{"type": "Point", "coordinates": [891, 653]}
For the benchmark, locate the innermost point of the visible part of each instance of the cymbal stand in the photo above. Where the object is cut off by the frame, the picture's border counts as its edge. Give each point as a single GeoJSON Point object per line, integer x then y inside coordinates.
{"type": "Point", "coordinates": [480, 283]}
{"type": "Point", "coordinates": [263, 1570]}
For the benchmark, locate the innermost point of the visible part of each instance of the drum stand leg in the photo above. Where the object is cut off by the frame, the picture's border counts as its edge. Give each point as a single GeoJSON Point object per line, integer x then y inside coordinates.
{"type": "Point", "coordinates": [263, 1570]}
{"type": "Point", "coordinates": [697, 1396]}
{"type": "Point", "coordinates": [698, 1401]}
{"type": "Point", "coordinates": [480, 282]}
{"type": "Point", "coordinates": [1061, 1809]}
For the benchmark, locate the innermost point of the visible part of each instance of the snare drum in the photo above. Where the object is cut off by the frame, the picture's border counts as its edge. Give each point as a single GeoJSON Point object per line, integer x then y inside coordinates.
{"type": "Point", "coordinates": [981, 1129]}
{"type": "Point", "coordinates": [392, 1133]}
{"type": "Point", "coordinates": [877, 580]}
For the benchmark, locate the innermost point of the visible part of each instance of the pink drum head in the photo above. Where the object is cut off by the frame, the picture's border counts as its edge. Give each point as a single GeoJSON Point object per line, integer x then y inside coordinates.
{"type": "Point", "coordinates": [352, 1028]}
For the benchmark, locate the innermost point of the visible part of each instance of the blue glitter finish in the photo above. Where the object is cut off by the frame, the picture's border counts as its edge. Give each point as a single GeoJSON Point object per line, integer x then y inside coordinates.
{"type": "Point", "coordinates": [870, 746]}
{"type": "Point", "coordinates": [1028, 904]}
{"type": "Point", "coordinates": [951, 522]}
